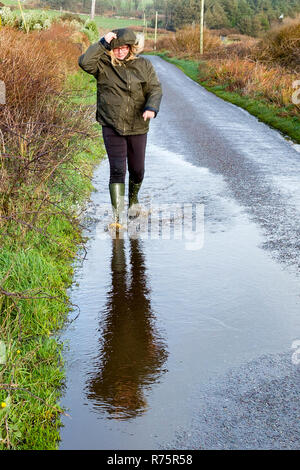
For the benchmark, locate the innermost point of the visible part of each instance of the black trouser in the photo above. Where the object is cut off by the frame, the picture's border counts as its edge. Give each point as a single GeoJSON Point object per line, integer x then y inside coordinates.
{"type": "Point", "coordinates": [121, 149]}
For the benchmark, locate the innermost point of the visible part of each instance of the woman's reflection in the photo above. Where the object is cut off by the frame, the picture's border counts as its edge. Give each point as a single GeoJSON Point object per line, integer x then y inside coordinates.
{"type": "Point", "coordinates": [132, 353]}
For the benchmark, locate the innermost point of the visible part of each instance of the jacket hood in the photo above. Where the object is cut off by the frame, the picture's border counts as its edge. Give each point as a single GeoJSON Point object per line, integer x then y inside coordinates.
{"type": "Point", "coordinates": [122, 97]}
{"type": "Point", "coordinates": [124, 36]}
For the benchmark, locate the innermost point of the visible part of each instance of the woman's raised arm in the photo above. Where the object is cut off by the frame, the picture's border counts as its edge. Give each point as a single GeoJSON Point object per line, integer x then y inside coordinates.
{"type": "Point", "coordinates": [90, 59]}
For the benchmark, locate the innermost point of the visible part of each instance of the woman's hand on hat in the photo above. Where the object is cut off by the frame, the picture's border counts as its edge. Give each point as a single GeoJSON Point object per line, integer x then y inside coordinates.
{"type": "Point", "coordinates": [148, 114]}
{"type": "Point", "coordinates": [110, 36]}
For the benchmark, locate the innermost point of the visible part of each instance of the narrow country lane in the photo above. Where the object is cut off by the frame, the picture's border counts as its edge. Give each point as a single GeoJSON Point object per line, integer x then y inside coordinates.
{"type": "Point", "coordinates": [182, 343]}
{"type": "Point", "coordinates": [260, 168]}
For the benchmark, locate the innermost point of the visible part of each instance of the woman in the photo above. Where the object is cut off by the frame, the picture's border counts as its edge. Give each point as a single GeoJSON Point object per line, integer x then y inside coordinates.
{"type": "Point", "coordinates": [128, 96]}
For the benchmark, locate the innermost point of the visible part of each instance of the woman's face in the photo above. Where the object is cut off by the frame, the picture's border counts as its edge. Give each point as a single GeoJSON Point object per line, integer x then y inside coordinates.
{"type": "Point", "coordinates": [121, 52]}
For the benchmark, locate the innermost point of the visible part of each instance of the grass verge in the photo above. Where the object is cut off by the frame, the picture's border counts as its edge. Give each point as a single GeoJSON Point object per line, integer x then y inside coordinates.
{"type": "Point", "coordinates": [36, 268]}
{"type": "Point", "coordinates": [279, 118]}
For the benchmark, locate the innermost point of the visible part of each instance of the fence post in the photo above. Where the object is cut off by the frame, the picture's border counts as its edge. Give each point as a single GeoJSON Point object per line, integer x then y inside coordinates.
{"type": "Point", "coordinates": [155, 34]}
{"type": "Point", "coordinates": [201, 26]}
{"type": "Point", "coordinates": [93, 9]}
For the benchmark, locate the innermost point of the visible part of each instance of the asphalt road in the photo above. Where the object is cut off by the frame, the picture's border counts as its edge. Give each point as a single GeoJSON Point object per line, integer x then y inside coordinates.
{"type": "Point", "coordinates": [254, 405]}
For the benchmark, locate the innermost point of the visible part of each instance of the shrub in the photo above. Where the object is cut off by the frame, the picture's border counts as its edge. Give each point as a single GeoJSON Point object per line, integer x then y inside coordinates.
{"type": "Point", "coordinates": [273, 85]}
{"type": "Point", "coordinates": [281, 46]}
{"type": "Point", "coordinates": [91, 30]}
{"type": "Point", "coordinates": [241, 50]}
{"type": "Point", "coordinates": [72, 17]}
{"type": "Point", "coordinates": [8, 17]}
{"type": "Point", "coordinates": [33, 71]}
{"type": "Point", "coordinates": [186, 41]}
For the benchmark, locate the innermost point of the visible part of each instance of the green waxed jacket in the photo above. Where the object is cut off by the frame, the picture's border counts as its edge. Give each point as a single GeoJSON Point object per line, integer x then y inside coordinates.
{"type": "Point", "coordinates": [123, 92]}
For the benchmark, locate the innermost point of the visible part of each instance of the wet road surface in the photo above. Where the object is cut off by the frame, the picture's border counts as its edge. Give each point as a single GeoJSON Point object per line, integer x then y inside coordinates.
{"type": "Point", "coordinates": [187, 332]}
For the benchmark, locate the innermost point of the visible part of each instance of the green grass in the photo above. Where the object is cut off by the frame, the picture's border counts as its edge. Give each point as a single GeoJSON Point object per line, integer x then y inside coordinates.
{"type": "Point", "coordinates": [115, 23]}
{"type": "Point", "coordinates": [276, 117]}
{"type": "Point", "coordinates": [33, 366]}
{"type": "Point", "coordinates": [11, 2]}
{"type": "Point", "coordinates": [102, 22]}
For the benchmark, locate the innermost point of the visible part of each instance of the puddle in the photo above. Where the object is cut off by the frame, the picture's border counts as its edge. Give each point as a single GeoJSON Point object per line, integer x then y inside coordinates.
{"type": "Point", "coordinates": [158, 320]}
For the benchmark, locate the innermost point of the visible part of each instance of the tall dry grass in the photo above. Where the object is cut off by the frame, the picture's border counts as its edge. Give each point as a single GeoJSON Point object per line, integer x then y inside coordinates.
{"type": "Point", "coordinates": [250, 78]}
{"type": "Point", "coordinates": [263, 69]}
{"type": "Point", "coordinates": [240, 50]}
{"type": "Point", "coordinates": [33, 68]}
{"type": "Point", "coordinates": [37, 122]}
{"type": "Point", "coordinates": [186, 42]}
{"type": "Point", "coordinates": [281, 46]}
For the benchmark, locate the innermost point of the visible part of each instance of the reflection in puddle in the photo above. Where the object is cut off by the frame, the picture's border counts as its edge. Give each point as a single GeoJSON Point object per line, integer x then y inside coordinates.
{"type": "Point", "coordinates": [132, 353]}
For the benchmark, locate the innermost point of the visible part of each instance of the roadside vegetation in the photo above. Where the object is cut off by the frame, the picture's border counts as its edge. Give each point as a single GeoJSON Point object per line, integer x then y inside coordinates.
{"type": "Point", "coordinates": [48, 149]}
{"type": "Point", "coordinates": [259, 75]}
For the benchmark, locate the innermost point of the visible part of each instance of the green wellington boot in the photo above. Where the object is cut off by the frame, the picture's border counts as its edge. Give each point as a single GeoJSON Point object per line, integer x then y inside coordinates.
{"type": "Point", "coordinates": [134, 207]}
{"type": "Point", "coordinates": [117, 194]}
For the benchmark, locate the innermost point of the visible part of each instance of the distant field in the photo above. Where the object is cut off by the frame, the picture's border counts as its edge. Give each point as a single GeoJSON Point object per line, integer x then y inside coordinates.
{"type": "Point", "coordinates": [101, 21]}
{"type": "Point", "coordinates": [114, 23]}
{"type": "Point", "coordinates": [11, 2]}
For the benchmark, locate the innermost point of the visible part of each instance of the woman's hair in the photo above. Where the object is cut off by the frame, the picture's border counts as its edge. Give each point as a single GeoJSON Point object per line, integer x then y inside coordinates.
{"type": "Point", "coordinates": [134, 50]}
